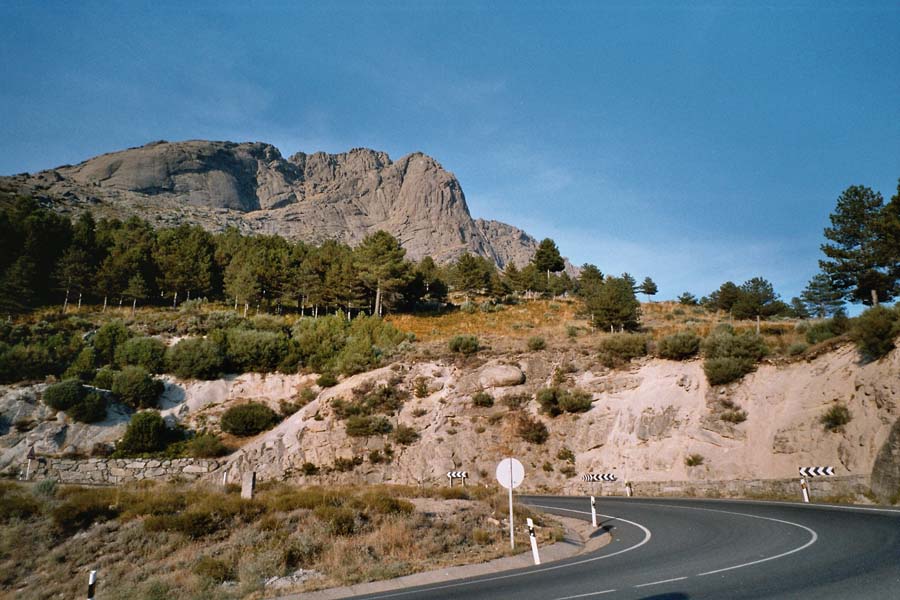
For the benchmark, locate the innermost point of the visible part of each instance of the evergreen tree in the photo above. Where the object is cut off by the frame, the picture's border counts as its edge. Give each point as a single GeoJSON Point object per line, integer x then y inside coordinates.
{"type": "Point", "coordinates": [184, 258]}
{"type": "Point", "coordinates": [381, 266]}
{"type": "Point", "coordinates": [725, 297]}
{"type": "Point", "coordinates": [613, 304]}
{"type": "Point", "coordinates": [688, 299]}
{"type": "Point", "coordinates": [470, 274]}
{"type": "Point", "coordinates": [858, 261]}
{"type": "Point", "coordinates": [547, 258]}
{"type": "Point", "coordinates": [648, 288]}
{"type": "Point", "coordinates": [757, 298]}
{"type": "Point", "coordinates": [798, 309]}
{"type": "Point", "coordinates": [821, 298]}
{"type": "Point", "coordinates": [631, 281]}
{"type": "Point", "coordinates": [590, 279]}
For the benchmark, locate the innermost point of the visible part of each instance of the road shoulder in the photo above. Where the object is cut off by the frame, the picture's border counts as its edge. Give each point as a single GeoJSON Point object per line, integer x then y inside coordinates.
{"type": "Point", "coordinates": [580, 537]}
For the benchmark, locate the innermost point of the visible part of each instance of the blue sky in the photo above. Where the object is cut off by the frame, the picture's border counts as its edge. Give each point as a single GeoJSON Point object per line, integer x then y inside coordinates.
{"type": "Point", "coordinates": [692, 142]}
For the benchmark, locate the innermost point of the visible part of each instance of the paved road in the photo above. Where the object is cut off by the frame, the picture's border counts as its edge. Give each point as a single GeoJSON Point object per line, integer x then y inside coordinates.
{"type": "Point", "coordinates": [666, 549]}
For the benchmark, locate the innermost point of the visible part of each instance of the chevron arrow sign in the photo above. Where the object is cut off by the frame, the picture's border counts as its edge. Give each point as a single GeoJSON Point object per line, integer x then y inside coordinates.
{"type": "Point", "coordinates": [595, 477]}
{"type": "Point", "coordinates": [458, 474]}
{"type": "Point", "coordinates": [816, 471]}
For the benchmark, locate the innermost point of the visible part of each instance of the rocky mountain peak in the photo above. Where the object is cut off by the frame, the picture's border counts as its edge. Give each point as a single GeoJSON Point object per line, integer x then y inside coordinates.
{"type": "Point", "coordinates": [312, 197]}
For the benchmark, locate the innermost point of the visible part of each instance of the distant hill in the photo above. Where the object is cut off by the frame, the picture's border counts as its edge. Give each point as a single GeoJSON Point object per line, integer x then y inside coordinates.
{"type": "Point", "coordinates": [310, 197]}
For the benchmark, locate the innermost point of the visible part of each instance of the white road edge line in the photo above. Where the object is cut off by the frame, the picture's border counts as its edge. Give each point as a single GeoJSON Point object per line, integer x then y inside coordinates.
{"type": "Point", "coordinates": [812, 540]}
{"type": "Point", "coordinates": [663, 581]}
{"type": "Point", "coordinates": [587, 595]}
{"type": "Point", "coordinates": [647, 536]}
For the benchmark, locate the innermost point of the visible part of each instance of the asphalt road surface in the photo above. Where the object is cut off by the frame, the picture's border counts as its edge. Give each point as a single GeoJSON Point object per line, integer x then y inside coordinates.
{"type": "Point", "coordinates": [666, 549]}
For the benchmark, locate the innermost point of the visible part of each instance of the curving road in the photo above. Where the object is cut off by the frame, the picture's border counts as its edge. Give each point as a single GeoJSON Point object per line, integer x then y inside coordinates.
{"type": "Point", "coordinates": [667, 549]}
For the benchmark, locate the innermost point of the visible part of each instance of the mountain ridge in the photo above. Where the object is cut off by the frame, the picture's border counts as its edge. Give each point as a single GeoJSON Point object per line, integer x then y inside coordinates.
{"type": "Point", "coordinates": [307, 196]}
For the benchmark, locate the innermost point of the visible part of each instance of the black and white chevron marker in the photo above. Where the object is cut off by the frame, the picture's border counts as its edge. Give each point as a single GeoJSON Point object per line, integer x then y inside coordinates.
{"type": "Point", "coordinates": [595, 477]}
{"type": "Point", "coordinates": [816, 471]}
{"type": "Point", "coordinates": [457, 474]}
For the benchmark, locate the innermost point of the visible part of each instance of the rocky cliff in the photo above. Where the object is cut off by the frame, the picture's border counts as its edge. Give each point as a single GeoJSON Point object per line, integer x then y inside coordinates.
{"type": "Point", "coordinates": [310, 197]}
{"type": "Point", "coordinates": [643, 424]}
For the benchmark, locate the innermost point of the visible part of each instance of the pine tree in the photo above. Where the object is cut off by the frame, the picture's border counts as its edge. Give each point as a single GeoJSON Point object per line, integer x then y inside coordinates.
{"type": "Point", "coordinates": [613, 304]}
{"type": "Point", "coordinates": [381, 266]}
{"type": "Point", "coordinates": [821, 298]}
{"type": "Point", "coordinates": [547, 258]}
{"type": "Point", "coordinates": [470, 274]}
{"type": "Point", "coordinates": [648, 288]}
{"type": "Point", "coordinates": [858, 262]}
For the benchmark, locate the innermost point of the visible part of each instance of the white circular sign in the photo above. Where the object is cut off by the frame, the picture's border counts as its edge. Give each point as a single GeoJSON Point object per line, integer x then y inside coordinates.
{"type": "Point", "coordinates": [510, 473]}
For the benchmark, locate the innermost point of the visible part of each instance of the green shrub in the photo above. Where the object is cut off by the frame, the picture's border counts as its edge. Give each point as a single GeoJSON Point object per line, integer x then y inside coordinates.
{"type": "Point", "coordinates": [464, 344]}
{"type": "Point", "coordinates": [720, 371]}
{"type": "Point", "coordinates": [214, 570]}
{"type": "Point", "coordinates": [796, 349]}
{"type": "Point", "coordinates": [16, 505]}
{"type": "Point", "coordinates": [405, 435]}
{"type": "Point", "coordinates": [248, 419]}
{"type": "Point", "coordinates": [566, 455]}
{"type": "Point", "coordinates": [343, 465]}
{"type": "Point", "coordinates": [734, 416]}
{"type": "Point", "coordinates": [836, 417]}
{"type": "Point", "coordinates": [620, 348]}
{"type": "Point", "coordinates": [339, 520]}
{"type": "Point", "coordinates": [82, 507]}
{"type": "Point", "coordinates": [107, 339]}
{"type": "Point", "coordinates": [147, 352]}
{"type": "Point", "coordinates": [536, 343]}
{"type": "Point", "coordinates": [257, 351]}
{"type": "Point", "coordinates": [46, 488]}
{"type": "Point", "coordinates": [84, 366]}
{"type": "Point", "coordinates": [193, 524]}
{"type": "Point", "coordinates": [104, 378]}
{"type": "Point", "coordinates": [483, 400]}
{"type": "Point", "coordinates": [326, 380]}
{"type": "Point", "coordinates": [382, 503]}
{"type": "Point", "coordinates": [420, 387]}
{"type": "Point", "coordinates": [91, 409]}
{"type": "Point", "coordinates": [146, 433]}
{"type": "Point", "coordinates": [679, 346]}
{"type": "Point", "coordinates": [366, 425]}
{"type": "Point", "coordinates": [693, 460]}
{"type": "Point", "coordinates": [205, 445]}
{"type": "Point", "coordinates": [874, 332]}
{"type": "Point", "coordinates": [555, 400]}
{"type": "Point", "coordinates": [575, 401]}
{"type": "Point", "coordinates": [729, 357]}
{"type": "Point", "coordinates": [532, 430]}
{"type": "Point", "coordinates": [309, 469]}
{"type": "Point", "coordinates": [135, 387]}
{"type": "Point", "coordinates": [196, 358]}
{"type": "Point", "coordinates": [64, 395]}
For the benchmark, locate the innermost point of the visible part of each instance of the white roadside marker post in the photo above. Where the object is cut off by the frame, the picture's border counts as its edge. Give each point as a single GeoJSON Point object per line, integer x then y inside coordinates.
{"type": "Point", "coordinates": [224, 478]}
{"type": "Point", "coordinates": [92, 584]}
{"type": "Point", "coordinates": [629, 491]}
{"type": "Point", "coordinates": [533, 537]}
{"type": "Point", "coordinates": [804, 489]}
{"type": "Point", "coordinates": [593, 512]}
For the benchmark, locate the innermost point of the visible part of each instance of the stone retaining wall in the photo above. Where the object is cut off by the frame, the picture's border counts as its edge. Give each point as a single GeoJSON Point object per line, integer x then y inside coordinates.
{"type": "Point", "coordinates": [111, 471]}
{"type": "Point", "coordinates": [820, 488]}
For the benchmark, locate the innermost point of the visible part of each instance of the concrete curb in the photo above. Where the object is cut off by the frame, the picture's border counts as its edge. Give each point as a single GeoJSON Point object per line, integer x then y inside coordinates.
{"type": "Point", "coordinates": [580, 537]}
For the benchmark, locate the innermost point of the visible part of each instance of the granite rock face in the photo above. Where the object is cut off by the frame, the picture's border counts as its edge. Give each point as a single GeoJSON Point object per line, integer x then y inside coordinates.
{"type": "Point", "coordinates": [310, 197]}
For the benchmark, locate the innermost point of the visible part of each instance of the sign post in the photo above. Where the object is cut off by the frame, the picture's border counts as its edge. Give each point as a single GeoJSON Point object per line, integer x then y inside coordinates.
{"type": "Point", "coordinates": [812, 472]}
{"type": "Point", "coordinates": [595, 478]}
{"type": "Point", "coordinates": [463, 475]}
{"type": "Point", "coordinates": [510, 474]}
{"type": "Point", "coordinates": [31, 457]}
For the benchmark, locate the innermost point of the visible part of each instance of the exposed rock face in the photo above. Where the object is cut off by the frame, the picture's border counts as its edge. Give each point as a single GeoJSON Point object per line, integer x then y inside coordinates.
{"type": "Point", "coordinates": [886, 471]}
{"type": "Point", "coordinates": [311, 197]}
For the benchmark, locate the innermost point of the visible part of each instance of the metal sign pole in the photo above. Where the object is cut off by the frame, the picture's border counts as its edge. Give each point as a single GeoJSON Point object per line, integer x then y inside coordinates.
{"type": "Point", "coordinates": [512, 537]}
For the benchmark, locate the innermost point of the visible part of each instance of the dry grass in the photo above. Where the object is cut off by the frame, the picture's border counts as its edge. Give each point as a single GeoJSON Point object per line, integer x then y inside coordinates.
{"type": "Point", "coordinates": [184, 541]}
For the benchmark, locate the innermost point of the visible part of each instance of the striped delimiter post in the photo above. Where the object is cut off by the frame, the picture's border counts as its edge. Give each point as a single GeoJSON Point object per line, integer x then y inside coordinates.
{"type": "Point", "coordinates": [92, 585]}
